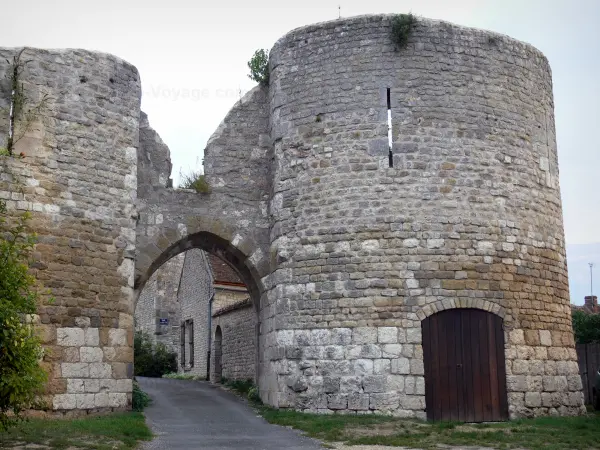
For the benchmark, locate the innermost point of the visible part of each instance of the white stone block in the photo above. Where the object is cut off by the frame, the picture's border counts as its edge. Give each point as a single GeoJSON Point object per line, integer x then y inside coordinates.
{"type": "Point", "coordinates": [411, 243]}
{"type": "Point", "coordinates": [381, 366]}
{"type": "Point", "coordinates": [75, 386]}
{"type": "Point", "coordinates": [435, 243]}
{"type": "Point", "coordinates": [101, 400]}
{"type": "Point", "coordinates": [92, 337]}
{"type": "Point", "coordinates": [546, 338]}
{"type": "Point", "coordinates": [91, 386]}
{"type": "Point", "coordinates": [117, 337]}
{"type": "Point", "coordinates": [401, 366]}
{"type": "Point", "coordinates": [100, 370]}
{"type": "Point", "coordinates": [64, 401]}
{"type": "Point", "coordinates": [413, 335]}
{"type": "Point", "coordinates": [391, 350]}
{"type": "Point", "coordinates": [387, 335]}
{"type": "Point", "coordinates": [70, 337]}
{"type": "Point", "coordinates": [364, 335]}
{"type": "Point", "coordinates": [85, 401]}
{"type": "Point", "coordinates": [75, 370]}
{"type": "Point", "coordinates": [117, 400]}
{"type": "Point", "coordinates": [91, 354]}
{"type": "Point", "coordinates": [363, 366]}
{"type": "Point", "coordinates": [125, 385]}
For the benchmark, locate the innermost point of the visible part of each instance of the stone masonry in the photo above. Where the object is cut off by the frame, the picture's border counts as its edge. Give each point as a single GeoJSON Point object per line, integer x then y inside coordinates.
{"type": "Point", "coordinates": [343, 254]}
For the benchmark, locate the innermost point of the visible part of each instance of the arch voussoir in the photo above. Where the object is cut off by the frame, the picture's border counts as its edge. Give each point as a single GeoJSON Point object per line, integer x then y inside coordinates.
{"type": "Point", "coordinates": [460, 303]}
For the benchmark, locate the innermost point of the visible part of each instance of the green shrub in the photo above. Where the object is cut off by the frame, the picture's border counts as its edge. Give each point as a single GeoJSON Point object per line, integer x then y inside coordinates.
{"type": "Point", "coordinates": [259, 67]}
{"type": "Point", "coordinates": [195, 180]}
{"type": "Point", "coordinates": [139, 398]}
{"type": "Point", "coordinates": [402, 26]}
{"type": "Point", "coordinates": [246, 388]}
{"type": "Point", "coordinates": [21, 377]}
{"type": "Point", "coordinates": [586, 327]}
{"type": "Point", "coordinates": [152, 360]}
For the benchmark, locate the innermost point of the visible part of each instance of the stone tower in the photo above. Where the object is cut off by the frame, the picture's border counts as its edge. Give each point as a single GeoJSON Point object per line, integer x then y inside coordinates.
{"type": "Point", "coordinates": [352, 255]}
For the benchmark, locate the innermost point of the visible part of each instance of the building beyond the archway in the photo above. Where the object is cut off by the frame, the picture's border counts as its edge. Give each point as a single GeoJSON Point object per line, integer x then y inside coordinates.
{"type": "Point", "coordinates": [348, 247]}
{"type": "Point", "coordinates": [187, 297]}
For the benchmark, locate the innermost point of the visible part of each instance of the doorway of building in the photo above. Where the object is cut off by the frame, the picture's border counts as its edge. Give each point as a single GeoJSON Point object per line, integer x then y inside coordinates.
{"type": "Point", "coordinates": [218, 354]}
{"type": "Point", "coordinates": [465, 375]}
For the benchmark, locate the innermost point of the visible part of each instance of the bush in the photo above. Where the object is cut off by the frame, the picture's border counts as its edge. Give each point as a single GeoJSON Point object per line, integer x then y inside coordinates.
{"type": "Point", "coordinates": [586, 327]}
{"type": "Point", "coordinates": [139, 398]}
{"type": "Point", "coordinates": [21, 377]}
{"type": "Point", "coordinates": [246, 388]}
{"type": "Point", "coordinates": [402, 25]}
{"type": "Point", "coordinates": [152, 360]}
{"type": "Point", "coordinates": [194, 180]}
{"type": "Point", "coordinates": [259, 67]}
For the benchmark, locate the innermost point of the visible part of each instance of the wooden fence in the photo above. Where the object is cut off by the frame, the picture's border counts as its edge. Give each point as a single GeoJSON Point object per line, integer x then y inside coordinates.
{"type": "Point", "coordinates": [589, 363]}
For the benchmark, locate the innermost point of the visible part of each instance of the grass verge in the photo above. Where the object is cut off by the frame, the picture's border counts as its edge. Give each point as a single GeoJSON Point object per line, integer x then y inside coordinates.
{"type": "Point", "coordinates": [548, 433]}
{"type": "Point", "coordinates": [112, 432]}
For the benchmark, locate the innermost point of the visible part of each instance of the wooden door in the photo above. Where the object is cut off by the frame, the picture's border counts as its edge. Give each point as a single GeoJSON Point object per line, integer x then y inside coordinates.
{"type": "Point", "coordinates": [465, 376]}
{"type": "Point", "coordinates": [218, 354]}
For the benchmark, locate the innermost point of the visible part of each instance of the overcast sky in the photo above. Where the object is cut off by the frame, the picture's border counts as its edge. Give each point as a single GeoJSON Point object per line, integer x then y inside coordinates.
{"type": "Point", "coordinates": [192, 60]}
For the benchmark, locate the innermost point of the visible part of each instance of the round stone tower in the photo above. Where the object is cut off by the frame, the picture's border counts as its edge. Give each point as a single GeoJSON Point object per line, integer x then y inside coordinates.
{"type": "Point", "coordinates": [408, 278]}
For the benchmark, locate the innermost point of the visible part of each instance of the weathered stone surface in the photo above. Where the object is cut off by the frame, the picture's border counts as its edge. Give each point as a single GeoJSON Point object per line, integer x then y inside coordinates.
{"type": "Point", "coordinates": [337, 248]}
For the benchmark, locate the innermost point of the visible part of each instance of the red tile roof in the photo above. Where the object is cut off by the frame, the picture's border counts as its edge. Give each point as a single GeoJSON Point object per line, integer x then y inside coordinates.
{"type": "Point", "coordinates": [223, 273]}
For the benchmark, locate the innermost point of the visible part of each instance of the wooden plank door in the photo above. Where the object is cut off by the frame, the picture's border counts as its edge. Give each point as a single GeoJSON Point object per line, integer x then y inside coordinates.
{"type": "Point", "coordinates": [465, 375]}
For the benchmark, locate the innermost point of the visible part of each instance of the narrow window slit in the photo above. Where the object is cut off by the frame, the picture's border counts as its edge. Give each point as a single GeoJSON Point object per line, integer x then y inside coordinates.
{"type": "Point", "coordinates": [389, 117]}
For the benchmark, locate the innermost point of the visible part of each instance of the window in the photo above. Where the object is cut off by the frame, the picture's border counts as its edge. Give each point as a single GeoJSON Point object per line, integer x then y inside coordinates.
{"type": "Point", "coordinates": [186, 342]}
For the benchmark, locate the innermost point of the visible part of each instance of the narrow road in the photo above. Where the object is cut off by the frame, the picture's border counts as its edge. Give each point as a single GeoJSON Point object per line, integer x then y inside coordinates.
{"type": "Point", "coordinates": [197, 415]}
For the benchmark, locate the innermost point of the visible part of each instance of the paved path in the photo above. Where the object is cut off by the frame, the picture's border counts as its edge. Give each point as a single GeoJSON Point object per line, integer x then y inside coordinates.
{"type": "Point", "coordinates": [197, 415]}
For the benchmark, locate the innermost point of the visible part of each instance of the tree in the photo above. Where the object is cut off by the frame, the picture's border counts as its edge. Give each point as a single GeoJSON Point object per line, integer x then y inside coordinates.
{"type": "Point", "coordinates": [259, 67]}
{"type": "Point", "coordinates": [586, 327]}
{"type": "Point", "coordinates": [21, 377]}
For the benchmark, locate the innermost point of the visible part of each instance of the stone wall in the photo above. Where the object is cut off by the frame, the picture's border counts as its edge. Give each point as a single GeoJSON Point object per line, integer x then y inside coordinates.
{"type": "Point", "coordinates": [469, 214]}
{"type": "Point", "coordinates": [343, 255]}
{"type": "Point", "coordinates": [159, 300]}
{"type": "Point", "coordinates": [78, 178]}
{"type": "Point", "coordinates": [195, 293]}
{"type": "Point", "coordinates": [238, 323]}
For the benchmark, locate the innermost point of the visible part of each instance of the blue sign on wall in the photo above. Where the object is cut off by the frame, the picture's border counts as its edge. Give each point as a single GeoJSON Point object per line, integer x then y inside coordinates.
{"type": "Point", "coordinates": [163, 321]}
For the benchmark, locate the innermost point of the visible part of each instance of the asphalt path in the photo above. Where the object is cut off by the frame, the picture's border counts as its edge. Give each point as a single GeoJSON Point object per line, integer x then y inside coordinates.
{"type": "Point", "coordinates": [199, 415]}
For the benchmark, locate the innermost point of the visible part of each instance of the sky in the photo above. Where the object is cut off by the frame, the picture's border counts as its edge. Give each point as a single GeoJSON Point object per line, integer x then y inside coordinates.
{"type": "Point", "coordinates": [192, 58]}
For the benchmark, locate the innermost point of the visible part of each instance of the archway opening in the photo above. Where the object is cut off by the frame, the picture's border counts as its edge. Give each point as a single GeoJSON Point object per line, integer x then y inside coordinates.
{"type": "Point", "coordinates": [465, 373]}
{"type": "Point", "coordinates": [199, 285]}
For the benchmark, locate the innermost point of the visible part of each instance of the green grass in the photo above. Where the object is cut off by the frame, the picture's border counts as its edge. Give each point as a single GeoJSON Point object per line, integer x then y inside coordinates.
{"type": "Point", "coordinates": [112, 432]}
{"type": "Point", "coordinates": [548, 433]}
{"type": "Point", "coordinates": [183, 376]}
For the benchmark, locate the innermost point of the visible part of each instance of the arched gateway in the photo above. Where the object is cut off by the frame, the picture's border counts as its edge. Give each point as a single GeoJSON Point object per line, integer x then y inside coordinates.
{"type": "Point", "coordinates": [347, 245]}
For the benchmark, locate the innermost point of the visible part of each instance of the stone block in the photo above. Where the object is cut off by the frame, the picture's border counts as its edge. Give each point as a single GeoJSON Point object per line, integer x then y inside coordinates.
{"type": "Point", "coordinates": [92, 337]}
{"type": "Point", "coordinates": [358, 402]}
{"type": "Point", "coordinates": [85, 401]}
{"type": "Point", "coordinates": [117, 337]}
{"type": "Point", "coordinates": [381, 366]}
{"type": "Point", "coordinates": [337, 401]}
{"type": "Point", "coordinates": [533, 399]}
{"type": "Point", "coordinates": [75, 370]}
{"type": "Point", "coordinates": [125, 385]}
{"type": "Point", "coordinates": [374, 383]}
{"type": "Point", "coordinates": [64, 401]}
{"type": "Point", "coordinates": [417, 367]}
{"type": "Point", "coordinates": [117, 400]}
{"type": "Point", "coordinates": [387, 335]}
{"type": "Point", "coordinates": [413, 335]}
{"type": "Point", "coordinates": [384, 401]}
{"type": "Point", "coordinates": [100, 370]}
{"type": "Point", "coordinates": [91, 354]}
{"type": "Point", "coordinates": [91, 386]}
{"type": "Point", "coordinates": [75, 386]}
{"type": "Point", "coordinates": [341, 336]}
{"type": "Point", "coordinates": [71, 354]}
{"type": "Point", "coordinates": [395, 383]}
{"type": "Point", "coordinates": [401, 366]}
{"type": "Point", "coordinates": [364, 335]}
{"type": "Point", "coordinates": [546, 338]}
{"type": "Point", "coordinates": [391, 350]}
{"type": "Point", "coordinates": [101, 400]}
{"type": "Point", "coordinates": [516, 337]}
{"type": "Point", "coordinates": [70, 337]}
{"type": "Point", "coordinates": [413, 402]}
{"type": "Point", "coordinates": [363, 366]}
